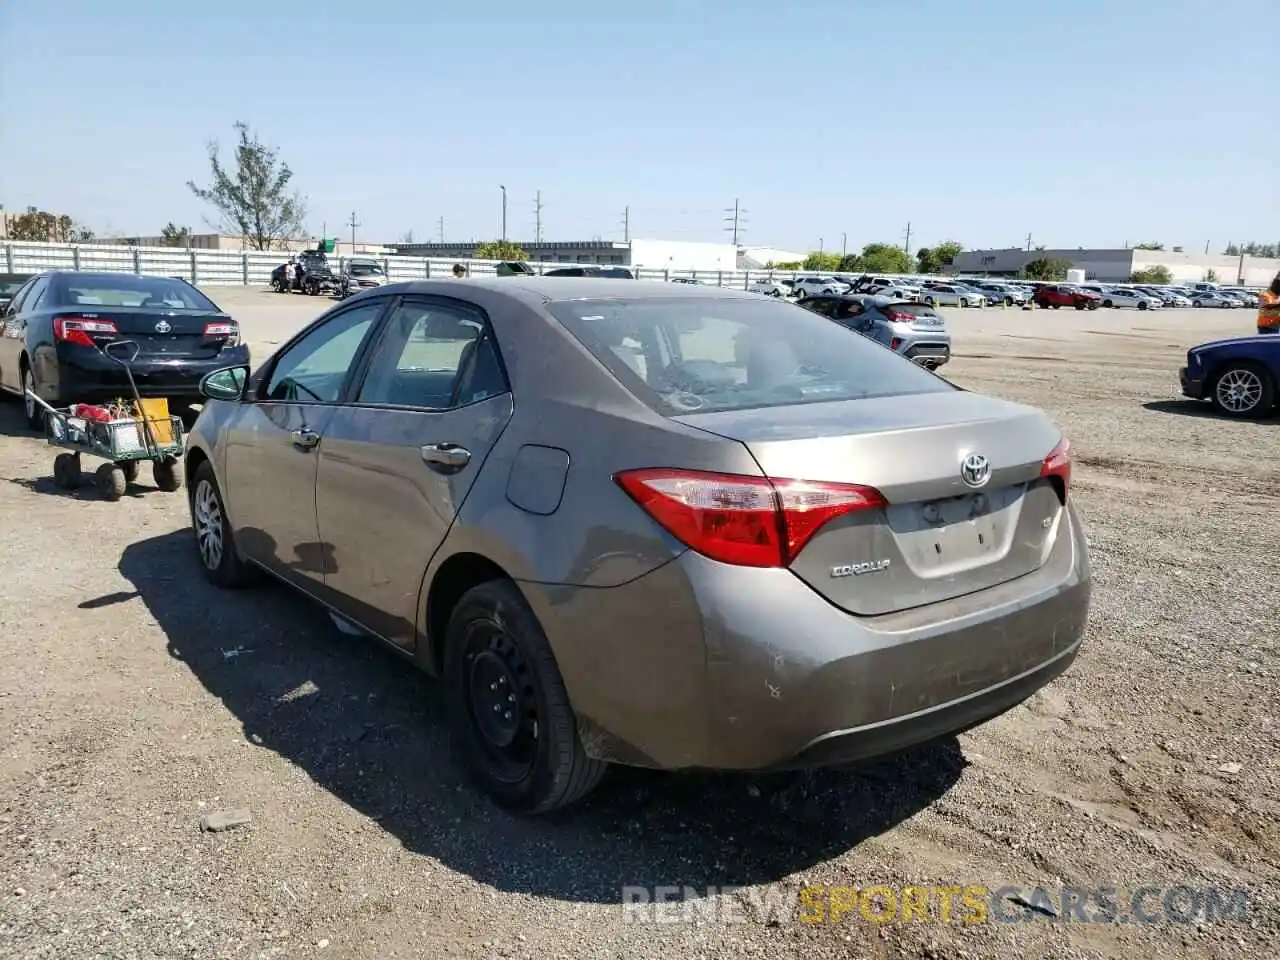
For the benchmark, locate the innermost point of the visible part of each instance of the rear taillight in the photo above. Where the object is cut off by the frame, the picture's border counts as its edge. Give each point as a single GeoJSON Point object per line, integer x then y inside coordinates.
{"type": "Point", "coordinates": [895, 343]}
{"type": "Point", "coordinates": [747, 521]}
{"type": "Point", "coordinates": [229, 331]}
{"type": "Point", "coordinates": [1057, 466]}
{"type": "Point", "coordinates": [81, 330]}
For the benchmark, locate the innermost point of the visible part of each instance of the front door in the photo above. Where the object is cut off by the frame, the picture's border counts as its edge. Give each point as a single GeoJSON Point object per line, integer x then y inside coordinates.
{"type": "Point", "coordinates": [397, 463]}
{"type": "Point", "coordinates": [273, 447]}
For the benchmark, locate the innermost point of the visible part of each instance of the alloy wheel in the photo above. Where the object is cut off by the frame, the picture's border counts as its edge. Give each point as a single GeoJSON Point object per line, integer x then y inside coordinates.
{"type": "Point", "coordinates": [1239, 390]}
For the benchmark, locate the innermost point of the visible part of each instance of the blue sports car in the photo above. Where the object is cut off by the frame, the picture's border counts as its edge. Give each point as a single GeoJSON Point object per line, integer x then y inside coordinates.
{"type": "Point", "coordinates": [1239, 376]}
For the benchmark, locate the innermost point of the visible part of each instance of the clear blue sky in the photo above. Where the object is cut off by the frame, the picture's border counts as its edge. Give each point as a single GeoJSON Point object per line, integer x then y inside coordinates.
{"type": "Point", "coordinates": [1090, 123]}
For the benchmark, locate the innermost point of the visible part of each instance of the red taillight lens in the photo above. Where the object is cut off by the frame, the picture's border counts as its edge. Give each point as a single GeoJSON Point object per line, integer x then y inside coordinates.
{"type": "Point", "coordinates": [895, 343]}
{"type": "Point", "coordinates": [747, 521]}
{"type": "Point", "coordinates": [82, 330]}
{"type": "Point", "coordinates": [229, 331]}
{"type": "Point", "coordinates": [1058, 465]}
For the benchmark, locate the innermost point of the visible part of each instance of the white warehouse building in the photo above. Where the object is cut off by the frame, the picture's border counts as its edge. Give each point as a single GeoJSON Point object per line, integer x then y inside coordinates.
{"type": "Point", "coordinates": [684, 255]}
{"type": "Point", "coordinates": [1117, 266]}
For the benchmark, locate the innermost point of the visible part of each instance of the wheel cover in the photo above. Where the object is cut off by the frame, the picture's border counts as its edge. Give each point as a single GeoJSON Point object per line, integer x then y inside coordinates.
{"type": "Point", "coordinates": [1239, 390]}
{"type": "Point", "coordinates": [207, 514]}
{"type": "Point", "coordinates": [501, 701]}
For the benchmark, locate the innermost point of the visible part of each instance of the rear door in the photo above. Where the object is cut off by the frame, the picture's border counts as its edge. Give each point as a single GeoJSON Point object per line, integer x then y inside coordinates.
{"type": "Point", "coordinates": [397, 463]}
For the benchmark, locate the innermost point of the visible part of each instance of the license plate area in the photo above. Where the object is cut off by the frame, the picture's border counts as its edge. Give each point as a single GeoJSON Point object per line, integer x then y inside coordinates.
{"type": "Point", "coordinates": [945, 537]}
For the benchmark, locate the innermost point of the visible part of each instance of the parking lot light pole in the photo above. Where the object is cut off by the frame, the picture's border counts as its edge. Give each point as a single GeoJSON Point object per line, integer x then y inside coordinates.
{"type": "Point", "coordinates": [504, 212]}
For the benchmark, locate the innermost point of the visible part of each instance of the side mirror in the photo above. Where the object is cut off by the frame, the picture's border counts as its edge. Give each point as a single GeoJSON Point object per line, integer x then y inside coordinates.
{"type": "Point", "coordinates": [225, 384]}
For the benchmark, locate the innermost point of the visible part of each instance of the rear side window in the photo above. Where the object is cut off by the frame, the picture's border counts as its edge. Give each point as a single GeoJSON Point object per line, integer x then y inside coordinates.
{"type": "Point", "coordinates": [680, 355]}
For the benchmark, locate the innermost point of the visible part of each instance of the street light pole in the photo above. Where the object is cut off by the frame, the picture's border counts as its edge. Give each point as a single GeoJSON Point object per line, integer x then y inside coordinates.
{"type": "Point", "coordinates": [504, 212]}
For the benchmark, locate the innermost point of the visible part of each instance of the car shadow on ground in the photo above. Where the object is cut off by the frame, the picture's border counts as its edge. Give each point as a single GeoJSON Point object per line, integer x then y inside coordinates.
{"type": "Point", "coordinates": [366, 726]}
{"type": "Point", "coordinates": [1205, 411]}
{"type": "Point", "coordinates": [13, 421]}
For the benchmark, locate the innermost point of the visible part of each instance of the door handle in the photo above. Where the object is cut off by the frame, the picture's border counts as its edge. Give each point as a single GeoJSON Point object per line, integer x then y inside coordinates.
{"type": "Point", "coordinates": [305, 438]}
{"type": "Point", "coordinates": [445, 457]}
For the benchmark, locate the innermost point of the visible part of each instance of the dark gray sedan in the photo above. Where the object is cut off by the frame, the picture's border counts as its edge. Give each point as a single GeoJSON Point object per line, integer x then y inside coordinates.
{"type": "Point", "coordinates": [628, 523]}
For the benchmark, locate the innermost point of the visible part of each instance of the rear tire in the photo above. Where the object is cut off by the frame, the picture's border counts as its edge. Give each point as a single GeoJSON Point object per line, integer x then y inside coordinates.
{"type": "Point", "coordinates": [130, 470]}
{"type": "Point", "coordinates": [1142, 304]}
{"type": "Point", "coordinates": [1108, 304]}
{"type": "Point", "coordinates": [215, 546]}
{"type": "Point", "coordinates": [111, 482]}
{"type": "Point", "coordinates": [33, 411]}
{"type": "Point", "coordinates": [529, 757]}
{"type": "Point", "coordinates": [166, 476]}
{"type": "Point", "coordinates": [66, 471]}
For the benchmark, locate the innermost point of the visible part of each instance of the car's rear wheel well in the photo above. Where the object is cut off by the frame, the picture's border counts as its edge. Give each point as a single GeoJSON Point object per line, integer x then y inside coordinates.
{"type": "Point", "coordinates": [455, 577]}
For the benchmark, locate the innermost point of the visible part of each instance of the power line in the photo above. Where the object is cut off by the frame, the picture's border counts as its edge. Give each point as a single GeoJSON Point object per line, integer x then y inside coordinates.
{"type": "Point", "coordinates": [737, 220]}
{"type": "Point", "coordinates": [537, 218]}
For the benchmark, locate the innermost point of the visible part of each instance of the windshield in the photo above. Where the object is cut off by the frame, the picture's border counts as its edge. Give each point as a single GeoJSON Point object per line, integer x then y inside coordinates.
{"type": "Point", "coordinates": [364, 270]}
{"type": "Point", "coordinates": [129, 290]}
{"type": "Point", "coordinates": [684, 355]}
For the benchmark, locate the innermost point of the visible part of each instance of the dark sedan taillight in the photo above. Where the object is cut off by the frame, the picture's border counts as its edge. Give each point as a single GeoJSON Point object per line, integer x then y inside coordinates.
{"type": "Point", "coordinates": [81, 330]}
{"type": "Point", "coordinates": [229, 332]}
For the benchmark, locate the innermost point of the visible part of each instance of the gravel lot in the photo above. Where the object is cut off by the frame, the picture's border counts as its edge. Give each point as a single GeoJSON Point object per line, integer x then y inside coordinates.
{"type": "Point", "coordinates": [135, 699]}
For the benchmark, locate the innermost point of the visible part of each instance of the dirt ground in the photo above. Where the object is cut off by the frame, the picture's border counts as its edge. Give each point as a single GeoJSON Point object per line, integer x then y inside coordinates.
{"type": "Point", "coordinates": [135, 699]}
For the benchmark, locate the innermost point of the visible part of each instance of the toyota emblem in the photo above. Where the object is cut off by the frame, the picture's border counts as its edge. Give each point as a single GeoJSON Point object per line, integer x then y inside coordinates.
{"type": "Point", "coordinates": [975, 470]}
{"type": "Point", "coordinates": [163, 327]}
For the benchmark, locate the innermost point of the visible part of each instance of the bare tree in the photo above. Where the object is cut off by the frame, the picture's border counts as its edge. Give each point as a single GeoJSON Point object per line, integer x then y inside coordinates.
{"type": "Point", "coordinates": [254, 199]}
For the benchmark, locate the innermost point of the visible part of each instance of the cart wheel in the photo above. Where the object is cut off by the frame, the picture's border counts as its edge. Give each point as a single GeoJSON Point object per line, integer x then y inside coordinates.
{"type": "Point", "coordinates": [66, 471]}
{"type": "Point", "coordinates": [130, 468]}
{"type": "Point", "coordinates": [165, 473]}
{"type": "Point", "coordinates": [111, 481]}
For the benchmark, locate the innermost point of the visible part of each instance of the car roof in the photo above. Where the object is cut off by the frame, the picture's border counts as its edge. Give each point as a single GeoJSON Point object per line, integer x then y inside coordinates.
{"type": "Point", "coordinates": [539, 290]}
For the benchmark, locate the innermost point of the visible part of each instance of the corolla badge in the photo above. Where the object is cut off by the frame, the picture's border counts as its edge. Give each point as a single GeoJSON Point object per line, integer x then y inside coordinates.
{"type": "Point", "coordinates": [858, 569]}
{"type": "Point", "coordinates": [163, 326]}
{"type": "Point", "coordinates": [975, 470]}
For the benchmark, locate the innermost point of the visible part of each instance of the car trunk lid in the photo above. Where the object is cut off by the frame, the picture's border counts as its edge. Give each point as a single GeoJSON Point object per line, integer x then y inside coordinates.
{"type": "Point", "coordinates": [938, 536]}
{"type": "Point", "coordinates": [161, 332]}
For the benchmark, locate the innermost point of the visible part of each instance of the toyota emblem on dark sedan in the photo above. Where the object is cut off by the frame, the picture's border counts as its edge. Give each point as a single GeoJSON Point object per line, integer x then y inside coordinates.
{"type": "Point", "coordinates": [975, 470]}
{"type": "Point", "coordinates": [163, 327]}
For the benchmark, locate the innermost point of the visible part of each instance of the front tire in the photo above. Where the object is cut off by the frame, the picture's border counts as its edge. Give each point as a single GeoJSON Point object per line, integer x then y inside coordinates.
{"type": "Point", "coordinates": [1243, 389]}
{"type": "Point", "coordinates": [33, 411]}
{"type": "Point", "coordinates": [1108, 304]}
{"type": "Point", "coordinates": [215, 545]}
{"type": "Point", "coordinates": [111, 481]}
{"type": "Point", "coordinates": [166, 476]}
{"type": "Point", "coordinates": [509, 713]}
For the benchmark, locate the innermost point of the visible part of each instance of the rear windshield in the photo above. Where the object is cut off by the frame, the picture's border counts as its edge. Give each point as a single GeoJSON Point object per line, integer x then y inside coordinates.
{"type": "Point", "coordinates": [364, 270]}
{"type": "Point", "coordinates": [129, 290]}
{"type": "Point", "coordinates": [681, 355]}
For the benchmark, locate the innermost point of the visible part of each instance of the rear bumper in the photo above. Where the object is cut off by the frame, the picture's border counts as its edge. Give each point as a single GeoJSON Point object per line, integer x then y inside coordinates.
{"type": "Point", "coordinates": [934, 354]}
{"type": "Point", "coordinates": [1192, 387]}
{"type": "Point", "coordinates": [707, 666]}
{"type": "Point", "coordinates": [86, 375]}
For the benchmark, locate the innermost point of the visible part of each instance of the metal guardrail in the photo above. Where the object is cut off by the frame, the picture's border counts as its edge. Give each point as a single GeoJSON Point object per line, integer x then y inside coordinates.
{"type": "Point", "coordinates": [253, 268]}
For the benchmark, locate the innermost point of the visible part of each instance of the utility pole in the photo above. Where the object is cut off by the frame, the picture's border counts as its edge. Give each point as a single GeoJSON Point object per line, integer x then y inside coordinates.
{"type": "Point", "coordinates": [504, 212]}
{"type": "Point", "coordinates": [353, 223]}
{"type": "Point", "coordinates": [537, 218]}
{"type": "Point", "coordinates": [907, 242]}
{"type": "Point", "coordinates": [626, 225]}
{"type": "Point", "coordinates": [1028, 242]}
{"type": "Point", "coordinates": [844, 244]}
{"type": "Point", "coordinates": [737, 220]}
{"type": "Point", "coordinates": [821, 248]}
{"type": "Point", "coordinates": [442, 229]}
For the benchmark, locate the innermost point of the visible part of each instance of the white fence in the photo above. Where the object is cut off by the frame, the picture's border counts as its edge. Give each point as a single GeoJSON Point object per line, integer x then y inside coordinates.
{"type": "Point", "coordinates": [253, 268]}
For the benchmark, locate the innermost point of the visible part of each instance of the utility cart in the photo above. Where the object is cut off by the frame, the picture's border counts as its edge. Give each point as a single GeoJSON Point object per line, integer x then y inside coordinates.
{"type": "Point", "coordinates": [122, 438]}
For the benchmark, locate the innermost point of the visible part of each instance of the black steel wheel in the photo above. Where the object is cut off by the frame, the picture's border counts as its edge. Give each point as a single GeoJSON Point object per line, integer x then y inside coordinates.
{"type": "Point", "coordinates": [509, 712]}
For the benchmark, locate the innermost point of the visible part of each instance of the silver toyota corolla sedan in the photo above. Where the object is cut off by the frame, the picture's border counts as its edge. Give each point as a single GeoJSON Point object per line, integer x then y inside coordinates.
{"type": "Point", "coordinates": [630, 523]}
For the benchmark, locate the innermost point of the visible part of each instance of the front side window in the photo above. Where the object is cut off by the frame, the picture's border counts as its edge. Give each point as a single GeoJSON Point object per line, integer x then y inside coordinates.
{"type": "Point", "coordinates": [314, 369]}
{"type": "Point", "coordinates": [434, 356]}
{"type": "Point", "coordinates": [681, 355]}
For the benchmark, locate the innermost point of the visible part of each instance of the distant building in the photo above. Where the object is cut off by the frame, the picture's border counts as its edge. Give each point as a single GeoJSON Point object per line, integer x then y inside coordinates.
{"type": "Point", "coordinates": [1118, 265]}
{"type": "Point", "coordinates": [681, 255]}
{"type": "Point", "coordinates": [222, 241]}
{"type": "Point", "coordinates": [759, 258]}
